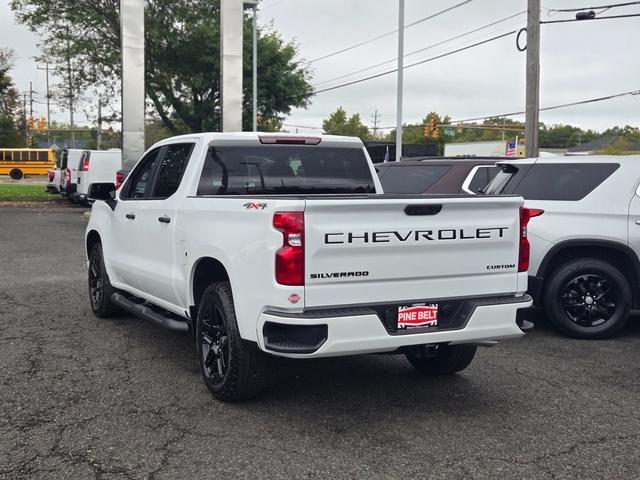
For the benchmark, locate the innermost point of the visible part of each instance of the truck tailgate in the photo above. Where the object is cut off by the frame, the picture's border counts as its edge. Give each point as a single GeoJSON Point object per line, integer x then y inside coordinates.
{"type": "Point", "coordinates": [394, 249]}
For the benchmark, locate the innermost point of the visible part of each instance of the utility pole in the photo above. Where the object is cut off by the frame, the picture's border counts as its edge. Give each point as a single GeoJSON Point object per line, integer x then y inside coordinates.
{"type": "Point", "coordinates": [376, 116]}
{"type": "Point", "coordinates": [400, 80]}
{"type": "Point", "coordinates": [26, 122]}
{"type": "Point", "coordinates": [73, 135]}
{"type": "Point", "coordinates": [99, 136]}
{"type": "Point", "coordinates": [533, 79]}
{"type": "Point", "coordinates": [46, 69]}
{"type": "Point", "coordinates": [31, 92]}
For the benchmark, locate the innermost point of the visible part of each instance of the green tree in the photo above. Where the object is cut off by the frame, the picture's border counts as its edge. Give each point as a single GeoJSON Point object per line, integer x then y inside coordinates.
{"type": "Point", "coordinates": [182, 44]}
{"type": "Point", "coordinates": [339, 123]}
{"type": "Point", "coordinates": [9, 103]}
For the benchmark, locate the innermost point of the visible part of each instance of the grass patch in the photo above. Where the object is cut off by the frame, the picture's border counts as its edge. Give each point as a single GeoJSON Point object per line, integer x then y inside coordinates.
{"type": "Point", "coordinates": [26, 193]}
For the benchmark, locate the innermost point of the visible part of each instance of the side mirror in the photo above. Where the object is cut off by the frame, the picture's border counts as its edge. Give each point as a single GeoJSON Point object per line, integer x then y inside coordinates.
{"type": "Point", "coordinates": [103, 191]}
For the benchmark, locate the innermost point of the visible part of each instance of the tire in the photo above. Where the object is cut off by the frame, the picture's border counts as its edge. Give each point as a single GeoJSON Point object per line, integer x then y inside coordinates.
{"type": "Point", "coordinates": [232, 369]}
{"type": "Point", "coordinates": [449, 359]}
{"type": "Point", "coordinates": [100, 289]}
{"type": "Point", "coordinates": [588, 298]}
{"type": "Point", "coordinates": [16, 174]}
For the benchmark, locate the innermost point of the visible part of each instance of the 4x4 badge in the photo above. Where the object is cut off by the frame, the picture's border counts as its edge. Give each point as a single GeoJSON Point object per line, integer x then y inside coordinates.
{"type": "Point", "coordinates": [255, 206]}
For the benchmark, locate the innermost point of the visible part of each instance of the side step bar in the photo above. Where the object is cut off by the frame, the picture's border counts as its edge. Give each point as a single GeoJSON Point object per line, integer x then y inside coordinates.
{"type": "Point", "coordinates": [142, 311]}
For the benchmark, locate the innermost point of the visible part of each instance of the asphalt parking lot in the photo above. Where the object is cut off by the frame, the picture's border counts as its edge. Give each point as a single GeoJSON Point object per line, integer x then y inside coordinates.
{"type": "Point", "coordinates": [84, 398]}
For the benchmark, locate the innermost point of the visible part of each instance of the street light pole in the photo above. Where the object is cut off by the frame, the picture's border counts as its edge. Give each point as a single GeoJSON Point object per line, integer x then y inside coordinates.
{"type": "Point", "coordinates": [400, 80]}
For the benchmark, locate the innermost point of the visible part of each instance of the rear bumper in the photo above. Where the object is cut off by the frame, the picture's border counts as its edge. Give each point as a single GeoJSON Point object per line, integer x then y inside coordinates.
{"type": "Point", "coordinates": [357, 331]}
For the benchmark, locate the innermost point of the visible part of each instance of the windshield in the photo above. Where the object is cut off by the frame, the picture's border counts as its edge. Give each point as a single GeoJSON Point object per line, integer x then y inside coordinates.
{"type": "Point", "coordinates": [285, 169]}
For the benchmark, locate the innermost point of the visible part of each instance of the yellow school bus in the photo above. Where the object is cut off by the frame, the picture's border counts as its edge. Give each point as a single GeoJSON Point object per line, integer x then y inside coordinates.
{"type": "Point", "coordinates": [18, 162]}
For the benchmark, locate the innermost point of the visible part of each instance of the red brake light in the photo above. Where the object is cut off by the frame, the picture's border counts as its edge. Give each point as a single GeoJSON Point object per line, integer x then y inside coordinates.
{"type": "Point", "coordinates": [290, 257]}
{"type": "Point", "coordinates": [120, 177]}
{"type": "Point", "coordinates": [51, 175]}
{"type": "Point", "coordinates": [68, 176]}
{"type": "Point", "coordinates": [85, 165]}
{"type": "Point", "coordinates": [288, 140]}
{"type": "Point", "coordinates": [526, 214]}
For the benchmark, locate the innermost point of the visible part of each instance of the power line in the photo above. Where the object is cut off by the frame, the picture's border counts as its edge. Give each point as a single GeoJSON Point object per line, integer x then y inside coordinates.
{"type": "Point", "coordinates": [388, 72]}
{"type": "Point", "coordinates": [456, 37]}
{"type": "Point", "coordinates": [421, 20]}
{"type": "Point", "coordinates": [565, 10]}
{"type": "Point", "coordinates": [511, 114]}
{"type": "Point", "coordinates": [553, 107]}
{"type": "Point", "coordinates": [590, 19]}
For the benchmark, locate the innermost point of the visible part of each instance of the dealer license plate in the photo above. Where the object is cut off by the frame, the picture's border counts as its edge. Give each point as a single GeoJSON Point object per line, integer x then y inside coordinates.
{"type": "Point", "coordinates": [418, 316]}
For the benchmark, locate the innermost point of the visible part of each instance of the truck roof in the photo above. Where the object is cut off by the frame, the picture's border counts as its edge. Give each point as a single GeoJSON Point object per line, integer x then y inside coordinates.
{"type": "Point", "coordinates": [622, 159]}
{"type": "Point", "coordinates": [248, 136]}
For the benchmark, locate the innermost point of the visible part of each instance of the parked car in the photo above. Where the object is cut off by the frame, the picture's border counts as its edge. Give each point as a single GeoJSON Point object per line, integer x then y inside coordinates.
{"type": "Point", "coordinates": [283, 245]}
{"type": "Point", "coordinates": [437, 175]}
{"type": "Point", "coordinates": [584, 267]}
{"type": "Point", "coordinates": [70, 165]}
{"type": "Point", "coordinates": [54, 177]}
{"type": "Point", "coordinates": [97, 166]}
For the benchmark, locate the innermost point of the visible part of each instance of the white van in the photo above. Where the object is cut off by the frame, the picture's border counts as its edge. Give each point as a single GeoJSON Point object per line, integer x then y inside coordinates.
{"type": "Point", "coordinates": [69, 162]}
{"type": "Point", "coordinates": [97, 166]}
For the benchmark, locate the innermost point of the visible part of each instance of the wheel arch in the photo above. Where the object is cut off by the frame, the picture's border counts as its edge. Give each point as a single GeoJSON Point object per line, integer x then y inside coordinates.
{"type": "Point", "coordinates": [618, 254]}
{"type": "Point", "coordinates": [93, 237]}
{"type": "Point", "coordinates": [205, 271]}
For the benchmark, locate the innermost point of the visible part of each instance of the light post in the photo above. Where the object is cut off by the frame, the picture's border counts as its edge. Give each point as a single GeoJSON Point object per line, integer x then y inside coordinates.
{"type": "Point", "coordinates": [253, 4]}
{"type": "Point", "coordinates": [400, 80]}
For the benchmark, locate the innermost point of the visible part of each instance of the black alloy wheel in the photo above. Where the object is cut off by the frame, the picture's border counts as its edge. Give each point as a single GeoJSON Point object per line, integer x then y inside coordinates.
{"type": "Point", "coordinates": [100, 289]}
{"type": "Point", "coordinates": [214, 344]}
{"type": "Point", "coordinates": [589, 300]}
{"type": "Point", "coordinates": [96, 282]}
{"type": "Point", "coordinates": [233, 369]}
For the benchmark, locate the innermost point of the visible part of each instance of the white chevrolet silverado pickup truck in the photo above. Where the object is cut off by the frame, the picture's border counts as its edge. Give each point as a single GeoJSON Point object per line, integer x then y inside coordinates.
{"type": "Point", "coordinates": [286, 245]}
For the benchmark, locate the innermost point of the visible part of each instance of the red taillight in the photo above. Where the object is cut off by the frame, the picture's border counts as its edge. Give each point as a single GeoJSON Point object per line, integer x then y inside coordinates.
{"type": "Point", "coordinates": [51, 175]}
{"type": "Point", "coordinates": [526, 214]}
{"type": "Point", "coordinates": [68, 176]}
{"type": "Point", "coordinates": [85, 165]}
{"type": "Point", "coordinates": [120, 176]}
{"type": "Point", "coordinates": [290, 257]}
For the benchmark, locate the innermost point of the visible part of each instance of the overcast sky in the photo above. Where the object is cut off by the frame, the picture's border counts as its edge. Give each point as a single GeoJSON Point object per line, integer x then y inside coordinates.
{"type": "Point", "coordinates": [578, 60]}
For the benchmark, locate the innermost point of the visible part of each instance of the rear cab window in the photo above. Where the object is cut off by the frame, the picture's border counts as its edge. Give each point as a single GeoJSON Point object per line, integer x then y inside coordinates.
{"type": "Point", "coordinates": [285, 169]}
{"type": "Point", "coordinates": [551, 181]}
{"type": "Point", "coordinates": [410, 178]}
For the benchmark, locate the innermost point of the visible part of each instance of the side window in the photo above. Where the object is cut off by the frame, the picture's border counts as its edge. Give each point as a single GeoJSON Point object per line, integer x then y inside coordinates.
{"type": "Point", "coordinates": [482, 177]}
{"type": "Point", "coordinates": [140, 179]}
{"type": "Point", "coordinates": [43, 157]}
{"type": "Point", "coordinates": [174, 162]}
{"type": "Point", "coordinates": [411, 178]}
{"type": "Point", "coordinates": [563, 181]}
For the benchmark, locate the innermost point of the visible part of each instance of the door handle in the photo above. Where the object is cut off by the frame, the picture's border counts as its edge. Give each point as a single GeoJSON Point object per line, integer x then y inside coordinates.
{"type": "Point", "coordinates": [637, 222]}
{"type": "Point", "coordinates": [131, 216]}
{"type": "Point", "coordinates": [164, 219]}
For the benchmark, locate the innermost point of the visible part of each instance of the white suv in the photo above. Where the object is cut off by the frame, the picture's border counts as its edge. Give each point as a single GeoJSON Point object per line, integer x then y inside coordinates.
{"type": "Point", "coordinates": [584, 267]}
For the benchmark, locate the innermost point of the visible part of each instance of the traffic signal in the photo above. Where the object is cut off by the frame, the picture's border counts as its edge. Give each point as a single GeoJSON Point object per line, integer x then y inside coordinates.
{"type": "Point", "coordinates": [31, 123]}
{"type": "Point", "coordinates": [426, 130]}
{"type": "Point", "coordinates": [31, 143]}
{"type": "Point", "coordinates": [434, 128]}
{"type": "Point", "coordinates": [42, 124]}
